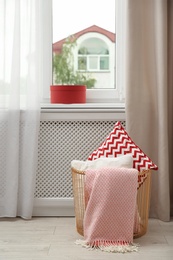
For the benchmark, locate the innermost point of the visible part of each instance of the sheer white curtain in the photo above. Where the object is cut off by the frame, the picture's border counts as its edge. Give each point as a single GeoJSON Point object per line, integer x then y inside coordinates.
{"type": "Point", "coordinates": [21, 50]}
{"type": "Point", "coordinates": [148, 67]}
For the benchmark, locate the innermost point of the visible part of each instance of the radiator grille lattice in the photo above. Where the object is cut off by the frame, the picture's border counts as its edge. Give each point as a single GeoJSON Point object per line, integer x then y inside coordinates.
{"type": "Point", "coordinates": [60, 142]}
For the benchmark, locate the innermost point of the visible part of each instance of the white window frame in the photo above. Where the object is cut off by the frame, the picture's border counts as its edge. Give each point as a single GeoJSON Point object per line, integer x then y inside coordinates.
{"type": "Point", "coordinates": [93, 95]}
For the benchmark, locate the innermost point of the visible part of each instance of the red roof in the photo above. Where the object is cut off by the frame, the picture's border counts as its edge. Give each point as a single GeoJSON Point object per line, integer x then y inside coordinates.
{"type": "Point", "coordinates": [57, 46]}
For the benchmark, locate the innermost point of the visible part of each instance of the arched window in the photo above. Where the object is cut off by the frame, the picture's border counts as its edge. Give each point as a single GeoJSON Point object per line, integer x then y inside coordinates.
{"type": "Point", "coordinates": [93, 55]}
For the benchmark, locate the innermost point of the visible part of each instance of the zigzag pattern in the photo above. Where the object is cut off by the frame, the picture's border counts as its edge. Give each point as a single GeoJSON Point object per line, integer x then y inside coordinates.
{"type": "Point", "coordinates": [119, 143]}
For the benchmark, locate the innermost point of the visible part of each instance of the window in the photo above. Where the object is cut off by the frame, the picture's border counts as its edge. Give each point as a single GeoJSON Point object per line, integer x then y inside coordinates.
{"type": "Point", "coordinates": [97, 41]}
{"type": "Point", "coordinates": [93, 55]}
{"type": "Point", "coordinates": [94, 29]}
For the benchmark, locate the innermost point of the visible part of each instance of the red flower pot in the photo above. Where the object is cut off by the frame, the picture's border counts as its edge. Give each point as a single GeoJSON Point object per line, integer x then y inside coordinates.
{"type": "Point", "coordinates": [67, 94]}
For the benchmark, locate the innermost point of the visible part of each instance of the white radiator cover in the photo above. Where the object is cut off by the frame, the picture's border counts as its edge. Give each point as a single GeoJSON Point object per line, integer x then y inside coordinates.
{"type": "Point", "coordinates": [66, 135]}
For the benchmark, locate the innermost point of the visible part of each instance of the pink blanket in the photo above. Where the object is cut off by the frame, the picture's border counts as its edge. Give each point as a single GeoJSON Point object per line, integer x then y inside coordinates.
{"type": "Point", "coordinates": [110, 212]}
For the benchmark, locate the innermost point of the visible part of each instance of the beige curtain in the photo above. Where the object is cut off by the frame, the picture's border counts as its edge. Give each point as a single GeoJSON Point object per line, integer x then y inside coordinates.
{"type": "Point", "coordinates": [149, 92]}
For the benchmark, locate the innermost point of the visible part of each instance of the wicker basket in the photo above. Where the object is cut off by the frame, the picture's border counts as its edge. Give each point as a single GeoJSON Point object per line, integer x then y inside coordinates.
{"type": "Point", "coordinates": [143, 199]}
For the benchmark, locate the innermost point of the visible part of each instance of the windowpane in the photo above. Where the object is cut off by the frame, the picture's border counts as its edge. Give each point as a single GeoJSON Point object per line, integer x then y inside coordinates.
{"type": "Point", "coordinates": [93, 46]}
{"type": "Point", "coordinates": [104, 63]}
{"type": "Point", "coordinates": [94, 37]}
{"type": "Point", "coordinates": [82, 63]}
{"type": "Point", "coordinates": [93, 63]}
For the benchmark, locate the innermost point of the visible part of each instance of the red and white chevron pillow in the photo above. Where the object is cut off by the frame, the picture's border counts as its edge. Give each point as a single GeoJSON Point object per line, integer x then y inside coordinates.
{"type": "Point", "coordinates": [119, 143]}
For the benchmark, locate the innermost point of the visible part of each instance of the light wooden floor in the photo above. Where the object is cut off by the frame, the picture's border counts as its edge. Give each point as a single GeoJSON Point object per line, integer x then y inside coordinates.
{"type": "Point", "coordinates": [53, 238]}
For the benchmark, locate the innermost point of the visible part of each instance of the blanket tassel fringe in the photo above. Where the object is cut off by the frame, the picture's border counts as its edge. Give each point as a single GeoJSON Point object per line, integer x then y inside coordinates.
{"type": "Point", "coordinates": [111, 247]}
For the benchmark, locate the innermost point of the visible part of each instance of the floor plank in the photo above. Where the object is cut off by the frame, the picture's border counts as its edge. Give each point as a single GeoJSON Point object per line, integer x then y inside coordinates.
{"type": "Point", "coordinates": [53, 238]}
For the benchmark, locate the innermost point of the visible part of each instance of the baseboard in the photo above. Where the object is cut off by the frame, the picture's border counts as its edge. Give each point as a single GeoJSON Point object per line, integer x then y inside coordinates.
{"type": "Point", "coordinates": [53, 207]}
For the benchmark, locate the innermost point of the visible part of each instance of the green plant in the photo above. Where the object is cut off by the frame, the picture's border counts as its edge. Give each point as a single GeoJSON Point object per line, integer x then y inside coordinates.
{"type": "Point", "coordinates": [63, 66]}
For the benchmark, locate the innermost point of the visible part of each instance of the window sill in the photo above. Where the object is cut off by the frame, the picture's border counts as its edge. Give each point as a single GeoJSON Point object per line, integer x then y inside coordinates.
{"type": "Point", "coordinates": [87, 106]}
{"type": "Point", "coordinates": [88, 111]}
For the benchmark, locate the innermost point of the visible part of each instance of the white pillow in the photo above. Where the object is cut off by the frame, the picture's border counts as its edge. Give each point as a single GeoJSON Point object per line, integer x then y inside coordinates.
{"type": "Point", "coordinates": [121, 161]}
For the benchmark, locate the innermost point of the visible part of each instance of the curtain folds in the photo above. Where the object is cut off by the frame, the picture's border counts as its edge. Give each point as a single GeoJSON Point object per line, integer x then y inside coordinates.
{"type": "Point", "coordinates": [20, 81]}
{"type": "Point", "coordinates": [148, 67]}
